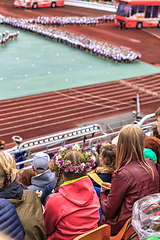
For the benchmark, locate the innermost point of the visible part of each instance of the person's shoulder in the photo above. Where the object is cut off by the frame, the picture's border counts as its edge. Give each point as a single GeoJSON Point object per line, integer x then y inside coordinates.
{"type": "Point", "coordinates": [29, 194]}
{"type": "Point", "coordinates": [31, 187]}
{"type": "Point", "coordinates": [124, 171]}
{"type": "Point", "coordinates": [3, 203]}
{"type": "Point", "coordinates": [56, 200]}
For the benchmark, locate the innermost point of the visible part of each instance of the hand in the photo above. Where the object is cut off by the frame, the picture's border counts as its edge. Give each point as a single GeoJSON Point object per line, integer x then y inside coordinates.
{"type": "Point", "coordinates": [106, 184]}
{"type": "Point", "coordinates": [39, 193]}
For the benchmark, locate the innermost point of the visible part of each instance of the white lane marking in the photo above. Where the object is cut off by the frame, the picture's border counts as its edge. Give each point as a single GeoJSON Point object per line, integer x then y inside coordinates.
{"type": "Point", "coordinates": [151, 33]}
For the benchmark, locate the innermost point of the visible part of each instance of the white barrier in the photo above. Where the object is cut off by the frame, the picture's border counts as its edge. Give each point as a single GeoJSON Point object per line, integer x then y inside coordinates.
{"type": "Point", "coordinates": [91, 5]}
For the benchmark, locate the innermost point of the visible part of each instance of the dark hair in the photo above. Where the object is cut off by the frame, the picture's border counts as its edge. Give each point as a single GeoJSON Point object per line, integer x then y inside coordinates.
{"type": "Point", "coordinates": [26, 176]}
{"type": "Point", "coordinates": [108, 154]}
{"type": "Point", "coordinates": [98, 148]}
{"type": "Point", "coordinates": [51, 155]}
{"type": "Point", "coordinates": [59, 179]}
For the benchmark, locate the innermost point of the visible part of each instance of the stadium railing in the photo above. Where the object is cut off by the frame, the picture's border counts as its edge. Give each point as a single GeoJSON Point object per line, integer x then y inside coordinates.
{"type": "Point", "coordinates": [48, 143]}
{"type": "Point", "coordinates": [52, 143]}
{"type": "Point", "coordinates": [109, 136]}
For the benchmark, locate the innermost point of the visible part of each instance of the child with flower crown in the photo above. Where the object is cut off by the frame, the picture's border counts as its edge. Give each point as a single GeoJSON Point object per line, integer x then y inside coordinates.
{"type": "Point", "coordinates": [75, 208]}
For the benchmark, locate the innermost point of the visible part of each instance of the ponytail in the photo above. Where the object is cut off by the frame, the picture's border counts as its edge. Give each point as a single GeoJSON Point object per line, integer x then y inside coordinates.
{"type": "Point", "coordinates": [59, 179]}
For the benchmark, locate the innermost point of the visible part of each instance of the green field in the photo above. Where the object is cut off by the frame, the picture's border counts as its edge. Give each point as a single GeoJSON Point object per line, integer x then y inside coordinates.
{"type": "Point", "coordinates": [32, 64]}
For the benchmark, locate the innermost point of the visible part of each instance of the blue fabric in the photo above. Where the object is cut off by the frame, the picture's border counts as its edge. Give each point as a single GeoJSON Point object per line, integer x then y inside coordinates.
{"type": "Point", "coordinates": [47, 190]}
{"type": "Point", "coordinates": [106, 177]}
{"type": "Point", "coordinates": [98, 190]}
{"type": "Point", "coordinates": [100, 213]}
{"type": "Point", "coordinates": [10, 223]}
{"type": "Point", "coordinates": [19, 158]}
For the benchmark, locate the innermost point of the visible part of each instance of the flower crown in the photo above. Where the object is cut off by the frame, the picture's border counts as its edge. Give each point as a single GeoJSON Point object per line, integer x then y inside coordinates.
{"type": "Point", "coordinates": [17, 138]}
{"type": "Point", "coordinates": [66, 164]}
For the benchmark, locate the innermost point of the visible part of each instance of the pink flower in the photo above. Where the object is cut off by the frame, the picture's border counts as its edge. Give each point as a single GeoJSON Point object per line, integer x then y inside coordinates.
{"type": "Point", "coordinates": [70, 169]}
{"type": "Point", "coordinates": [68, 146]}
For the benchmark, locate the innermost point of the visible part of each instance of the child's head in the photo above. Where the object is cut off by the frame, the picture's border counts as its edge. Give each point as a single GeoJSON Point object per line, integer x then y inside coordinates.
{"type": "Point", "coordinates": [26, 176]}
{"type": "Point", "coordinates": [73, 162]}
{"type": "Point", "coordinates": [76, 159]}
{"type": "Point", "coordinates": [108, 155]}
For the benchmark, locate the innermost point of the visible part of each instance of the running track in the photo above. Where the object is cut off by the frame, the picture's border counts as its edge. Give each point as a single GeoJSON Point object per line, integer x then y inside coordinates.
{"type": "Point", "coordinates": [61, 110]}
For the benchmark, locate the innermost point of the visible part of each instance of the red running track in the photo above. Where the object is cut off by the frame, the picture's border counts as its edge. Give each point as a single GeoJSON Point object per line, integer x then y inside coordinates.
{"type": "Point", "coordinates": [61, 110]}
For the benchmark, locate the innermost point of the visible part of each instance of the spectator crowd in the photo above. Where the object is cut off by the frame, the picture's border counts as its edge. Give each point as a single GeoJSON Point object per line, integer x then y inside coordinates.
{"type": "Point", "coordinates": [58, 199]}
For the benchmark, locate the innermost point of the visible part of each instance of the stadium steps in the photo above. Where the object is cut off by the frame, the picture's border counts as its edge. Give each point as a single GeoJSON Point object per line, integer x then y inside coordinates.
{"type": "Point", "coordinates": [51, 112]}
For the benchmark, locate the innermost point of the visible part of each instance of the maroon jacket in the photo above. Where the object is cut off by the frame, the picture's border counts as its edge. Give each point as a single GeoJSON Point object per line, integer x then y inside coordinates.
{"type": "Point", "coordinates": [129, 183]}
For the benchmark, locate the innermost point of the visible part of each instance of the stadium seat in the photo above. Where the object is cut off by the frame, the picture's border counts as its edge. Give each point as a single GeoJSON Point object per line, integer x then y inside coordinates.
{"type": "Point", "coordinates": [103, 233]}
{"type": "Point", "coordinates": [100, 233]}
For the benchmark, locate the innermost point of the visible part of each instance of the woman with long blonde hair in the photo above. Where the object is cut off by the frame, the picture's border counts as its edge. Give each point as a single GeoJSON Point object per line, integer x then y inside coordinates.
{"type": "Point", "coordinates": [135, 177]}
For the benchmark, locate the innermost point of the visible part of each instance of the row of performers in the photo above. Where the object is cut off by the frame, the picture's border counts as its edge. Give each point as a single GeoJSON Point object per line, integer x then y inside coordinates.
{"type": "Point", "coordinates": [101, 49]}
{"type": "Point", "coordinates": [6, 36]}
{"type": "Point", "coordinates": [72, 21]}
{"type": "Point", "coordinates": [65, 21]}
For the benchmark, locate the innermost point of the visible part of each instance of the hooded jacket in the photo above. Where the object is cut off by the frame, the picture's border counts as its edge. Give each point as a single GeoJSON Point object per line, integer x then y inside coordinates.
{"type": "Point", "coordinates": [29, 210]}
{"type": "Point", "coordinates": [72, 211]}
{"type": "Point", "coordinates": [40, 181]}
{"type": "Point", "coordinates": [129, 183]}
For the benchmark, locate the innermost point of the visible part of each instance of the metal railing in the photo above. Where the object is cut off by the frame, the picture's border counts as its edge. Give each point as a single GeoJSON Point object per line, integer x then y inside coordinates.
{"type": "Point", "coordinates": [109, 136]}
{"type": "Point", "coordinates": [52, 143]}
{"type": "Point", "coordinates": [57, 139]}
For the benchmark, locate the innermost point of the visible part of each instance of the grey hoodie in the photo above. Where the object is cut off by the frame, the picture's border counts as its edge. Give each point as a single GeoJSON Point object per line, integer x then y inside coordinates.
{"type": "Point", "coordinates": [40, 181]}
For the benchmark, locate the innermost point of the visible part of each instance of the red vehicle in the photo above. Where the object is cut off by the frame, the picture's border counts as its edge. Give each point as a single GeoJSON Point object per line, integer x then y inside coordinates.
{"type": "Point", "coordinates": [138, 13]}
{"type": "Point", "coordinates": [38, 3]}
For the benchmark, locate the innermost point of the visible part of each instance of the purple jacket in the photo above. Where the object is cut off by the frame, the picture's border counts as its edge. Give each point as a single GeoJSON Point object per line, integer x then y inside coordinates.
{"type": "Point", "coordinates": [129, 183]}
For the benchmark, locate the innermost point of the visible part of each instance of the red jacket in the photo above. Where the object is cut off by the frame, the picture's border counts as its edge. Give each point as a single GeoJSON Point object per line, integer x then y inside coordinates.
{"type": "Point", "coordinates": [129, 183]}
{"type": "Point", "coordinates": [72, 211]}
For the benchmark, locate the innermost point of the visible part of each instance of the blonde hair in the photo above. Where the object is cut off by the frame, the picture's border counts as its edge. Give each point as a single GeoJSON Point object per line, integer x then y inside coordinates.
{"type": "Point", "coordinates": [52, 166]}
{"type": "Point", "coordinates": [4, 236]}
{"type": "Point", "coordinates": [8, 164]}
{"type": "Point", "coordinates": [131, 143]}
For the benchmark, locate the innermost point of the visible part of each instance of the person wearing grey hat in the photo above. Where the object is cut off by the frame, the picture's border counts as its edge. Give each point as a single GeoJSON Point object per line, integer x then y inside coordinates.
{"type": "Point", "coordinates": [44, 176]}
